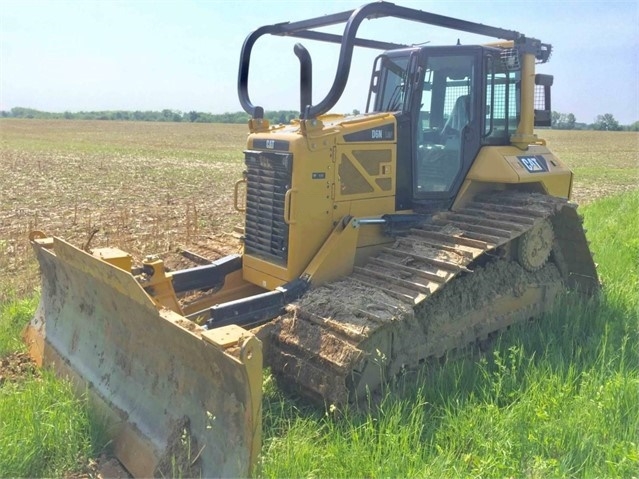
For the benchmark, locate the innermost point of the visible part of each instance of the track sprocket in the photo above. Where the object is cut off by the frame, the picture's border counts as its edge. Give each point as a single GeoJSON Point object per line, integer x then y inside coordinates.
{"type": "Point", "coordinates": [534, 245]}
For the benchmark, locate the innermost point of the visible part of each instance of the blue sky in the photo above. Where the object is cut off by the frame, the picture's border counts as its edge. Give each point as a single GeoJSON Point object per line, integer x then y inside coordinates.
{"type": "Point", "coordinates": [183, 55]}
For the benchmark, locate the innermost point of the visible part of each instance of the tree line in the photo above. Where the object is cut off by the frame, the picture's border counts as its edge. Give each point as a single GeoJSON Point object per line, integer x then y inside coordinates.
{"type": "Point", "coordinates": [605, 122]}
{"type": "Point", "coordinates": [559, 121]}
{"type": "Point", "coordinates": [279, 116]}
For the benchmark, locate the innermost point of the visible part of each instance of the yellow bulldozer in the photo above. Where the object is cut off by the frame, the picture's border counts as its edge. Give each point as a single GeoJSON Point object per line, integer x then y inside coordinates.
{"type": "Point", "coordinates": [371, 243]}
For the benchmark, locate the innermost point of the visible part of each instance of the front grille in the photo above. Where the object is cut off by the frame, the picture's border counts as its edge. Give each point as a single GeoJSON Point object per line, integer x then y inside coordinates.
{"type": "Point", "coordinates": [268, 177]}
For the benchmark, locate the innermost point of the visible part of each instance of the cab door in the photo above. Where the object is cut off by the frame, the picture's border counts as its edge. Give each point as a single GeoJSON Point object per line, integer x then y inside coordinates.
{"type": "Point", "coordinates": [446, 121]}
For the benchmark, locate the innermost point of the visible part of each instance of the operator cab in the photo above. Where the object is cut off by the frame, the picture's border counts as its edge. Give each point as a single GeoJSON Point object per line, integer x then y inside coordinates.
{"type": "Point", "coordinates": [449, 101]}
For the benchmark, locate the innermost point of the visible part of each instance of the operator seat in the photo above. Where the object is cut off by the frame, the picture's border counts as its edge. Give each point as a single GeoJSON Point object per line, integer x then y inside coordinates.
{"type": "Point", "coordinates": [459, 116]}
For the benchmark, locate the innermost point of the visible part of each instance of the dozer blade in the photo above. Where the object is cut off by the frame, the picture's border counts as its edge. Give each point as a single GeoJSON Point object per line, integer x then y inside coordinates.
{"type": "Point", "coordinates": [181, 401]}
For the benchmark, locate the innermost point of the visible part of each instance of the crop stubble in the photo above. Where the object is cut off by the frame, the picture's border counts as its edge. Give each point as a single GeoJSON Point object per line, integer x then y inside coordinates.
{"type": "Point", "coordinates": [150, 187]}
{"type": "Point", "coordinates": [147, 188]}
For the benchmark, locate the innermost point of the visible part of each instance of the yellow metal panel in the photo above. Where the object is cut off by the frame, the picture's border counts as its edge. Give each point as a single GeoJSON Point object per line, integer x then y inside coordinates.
{"type": "Point", "coordinates": [490, 165]}
{"type": "Point", "coordinates": [500, 165]}
{"type": "Point", "coordinates": [160, 286]}
{"type": "Point", "coordinates": [335, 258]}
{"type": "Point", "coordinates": [314, 203]}
{"type": "Point", "coordinates": [311, 206]}
{"type": "Point", "coordinates": [225, 336]}
{"type": "Point", "coordinates": [264, 274]}
{"type": "Point", "coordinates": [360, 169]}
{"type": "Point", "coordinates": [373, 206]}
{"type": "Point", "coordinates": [365, 122]}
{"type": "Point", "coordinates": [308, 208]}
{"type": "Point", "coordinates": [114, 256]}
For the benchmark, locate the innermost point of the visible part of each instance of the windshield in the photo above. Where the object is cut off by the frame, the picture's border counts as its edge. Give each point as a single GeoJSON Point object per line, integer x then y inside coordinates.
{"type": "Point", "coordinates": [392, 81]}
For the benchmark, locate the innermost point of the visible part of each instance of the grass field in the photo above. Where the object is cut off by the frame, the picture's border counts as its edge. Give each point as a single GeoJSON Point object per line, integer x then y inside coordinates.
{"type": "Point", "coordinates": [553, 398]}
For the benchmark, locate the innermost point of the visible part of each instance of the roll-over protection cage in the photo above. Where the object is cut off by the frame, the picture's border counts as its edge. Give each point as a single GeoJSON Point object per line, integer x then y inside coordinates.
{"type": "Point", "coordinates": [349, 40]}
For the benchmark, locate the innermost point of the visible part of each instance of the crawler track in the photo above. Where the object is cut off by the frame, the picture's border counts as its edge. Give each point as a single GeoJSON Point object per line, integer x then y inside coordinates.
{"type": "Point", "coordinates": [402, 307]}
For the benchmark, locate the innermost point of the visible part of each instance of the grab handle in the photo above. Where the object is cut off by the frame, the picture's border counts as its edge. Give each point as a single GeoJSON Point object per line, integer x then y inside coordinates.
{"type": "Point", "coordinates": [236, 195]}
{"type": "Point", "coordinates": [288, 198]}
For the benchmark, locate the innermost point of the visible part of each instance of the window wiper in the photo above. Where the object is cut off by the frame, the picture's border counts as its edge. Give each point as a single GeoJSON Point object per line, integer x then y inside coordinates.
{"type": "Point", "coordinates": [394, 102]}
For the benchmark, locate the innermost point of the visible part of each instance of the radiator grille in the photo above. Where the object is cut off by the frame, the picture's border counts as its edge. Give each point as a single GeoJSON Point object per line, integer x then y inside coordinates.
{"type": "Point", "coordinates": [267, 180]}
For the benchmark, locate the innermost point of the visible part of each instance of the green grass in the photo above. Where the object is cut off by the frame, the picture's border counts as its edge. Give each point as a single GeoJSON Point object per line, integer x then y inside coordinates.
{"type": "Point", "coordinates": [45, 430]}
{"type": "Point", "coordinates": [555, 398]}
{"type": "Point", "coordinates": [14, 315]}
{"type": "Point", "coordinates": [613, 229]}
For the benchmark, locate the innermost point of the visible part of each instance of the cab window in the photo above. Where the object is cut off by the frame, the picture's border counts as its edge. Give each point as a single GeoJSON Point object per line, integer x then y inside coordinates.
{"type": "Point", "coordinates": [502, 102]}
{"type": "Point", "coordinates": [445, 111]}
{"type": "Point", "coordinates": [391, 82]}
